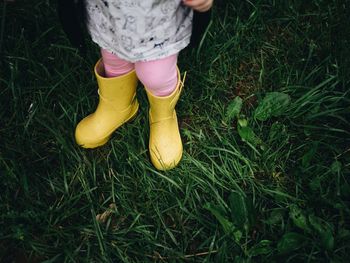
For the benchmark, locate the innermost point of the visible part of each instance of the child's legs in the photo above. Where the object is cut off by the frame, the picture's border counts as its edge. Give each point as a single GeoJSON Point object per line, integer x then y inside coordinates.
{"type": "Point", "coordinates": [115, 66]}
{"type": "Point", "coordinates": [158, 76]}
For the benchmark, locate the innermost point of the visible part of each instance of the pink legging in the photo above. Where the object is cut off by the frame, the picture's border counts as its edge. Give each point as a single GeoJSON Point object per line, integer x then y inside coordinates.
{"type": "Point", "coordinates": [158, 76]}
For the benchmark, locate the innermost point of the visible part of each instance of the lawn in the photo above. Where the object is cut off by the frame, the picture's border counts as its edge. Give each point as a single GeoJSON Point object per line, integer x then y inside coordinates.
{"type": "Point", "coordinates": [265, 121]}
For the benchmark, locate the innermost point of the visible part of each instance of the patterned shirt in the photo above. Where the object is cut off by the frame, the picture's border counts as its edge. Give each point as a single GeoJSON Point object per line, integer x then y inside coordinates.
{"type": "Point", "coordinates": [140, 30]}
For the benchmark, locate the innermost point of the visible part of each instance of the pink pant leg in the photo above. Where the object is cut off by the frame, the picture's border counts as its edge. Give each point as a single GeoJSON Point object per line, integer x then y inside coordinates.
{"type": "Point", "coordinates": [115, 66]}
{"type": "Point", "coordinates": [158, 76]}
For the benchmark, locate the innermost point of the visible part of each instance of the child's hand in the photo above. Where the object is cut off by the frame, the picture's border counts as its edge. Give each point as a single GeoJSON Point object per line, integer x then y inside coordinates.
{"type": "Point", "coordinates": [199, 5]}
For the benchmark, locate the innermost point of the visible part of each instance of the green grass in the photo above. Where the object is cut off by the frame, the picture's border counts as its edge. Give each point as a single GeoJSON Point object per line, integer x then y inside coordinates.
{"type": "Point", "coordinates": [247, 190]}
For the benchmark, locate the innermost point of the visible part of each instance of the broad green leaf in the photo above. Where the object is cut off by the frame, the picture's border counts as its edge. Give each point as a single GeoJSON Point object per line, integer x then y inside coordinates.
{"type": "Point", "coordinates": [227, 226]}
{"type": "Point", "coordinates": [274, 104]}
{"type": "Point", "coordinates": [324, 231]}
{"type": "Point", "coordinates": [275, 217]}
{"type": "Point", "coordinates": [262, 248]}
{"type": "Point", "coordinates": [241, 207]}
{"type": "Point", "coordinates": [237, 235]}
{"type": "Point", "coordinates": [239, 211]}
{"type": "Point", "coordinates": [234, 108]}
{"type": "Point", "coordinates": [243, 122]}
{"type": "Point", "coordinates": [248, 135]}
{"type": "Point", "coordinates": [289, 242]}
{"type": "Point", "coordinates": [298, 217]}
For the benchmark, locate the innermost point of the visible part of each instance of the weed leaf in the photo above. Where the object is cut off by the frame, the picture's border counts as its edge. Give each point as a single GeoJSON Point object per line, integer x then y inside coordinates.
{"type": "Point", "coordinates": [227, 226]}
{"type": "Point", "coordinates": [247, 135]}
{"type": "Point", "coordinates": [234, 108]}
{"type": "Point", "coordinates": [276, 217]}
{"type": "Point", "coordinates": [241, 210]}
{"type": "Point", "coordinates": [243, 122]}
{"type": "Point", "coordinates": [262, 248]}
{"type": "Point", "coordinates": [289, 242]}
{"type": "Point", "coordinates": [274, 104]}
{"type": "Point", "coordinates": [298, 217]}
{"type": "Point", "coordinates": [323, 230]}
{"type": "Point", "coordinates": [277, 129]}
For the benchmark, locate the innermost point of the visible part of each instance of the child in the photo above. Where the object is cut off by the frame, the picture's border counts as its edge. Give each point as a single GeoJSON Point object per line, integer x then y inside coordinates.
{"type": "Point", "coordinates": [139, 40]}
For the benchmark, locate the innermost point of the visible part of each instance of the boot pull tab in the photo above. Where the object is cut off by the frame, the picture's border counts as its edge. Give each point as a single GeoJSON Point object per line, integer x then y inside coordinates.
{"type": "Point", "coordinates": [182, 81]}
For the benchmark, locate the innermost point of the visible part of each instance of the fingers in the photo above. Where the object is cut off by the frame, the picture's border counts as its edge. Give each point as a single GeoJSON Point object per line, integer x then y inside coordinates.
{"type": "Point", "coordinates": [199, 5]}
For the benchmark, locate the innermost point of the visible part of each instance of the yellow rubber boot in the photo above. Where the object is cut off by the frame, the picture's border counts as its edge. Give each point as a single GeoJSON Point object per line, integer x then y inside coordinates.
{"type": "Point", "coordinates": [165, 143]}
{"type": "Point", "coordinates": [117, 105]}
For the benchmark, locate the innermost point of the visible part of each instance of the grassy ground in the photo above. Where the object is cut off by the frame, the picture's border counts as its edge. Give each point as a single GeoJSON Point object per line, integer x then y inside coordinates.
{"type": "Point", "coordinates": [265, 123]}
